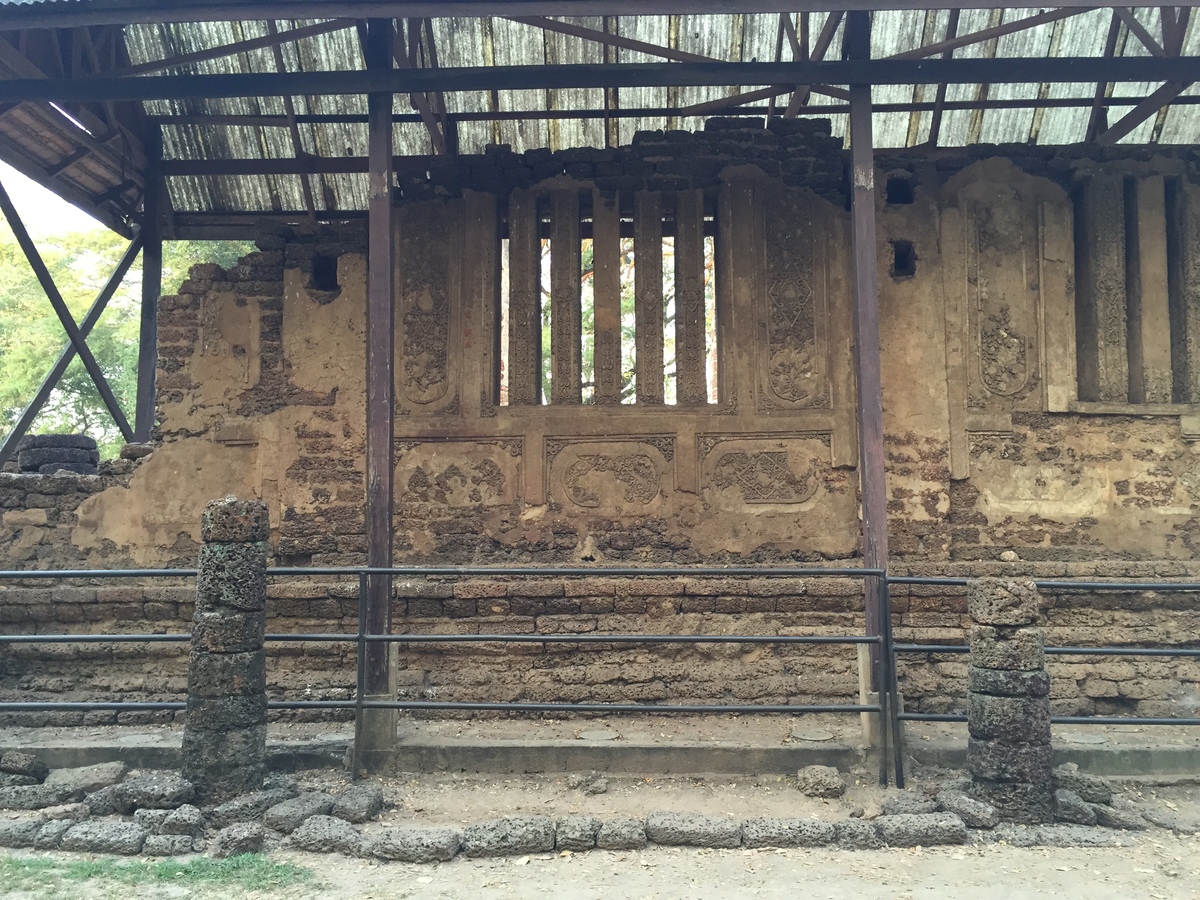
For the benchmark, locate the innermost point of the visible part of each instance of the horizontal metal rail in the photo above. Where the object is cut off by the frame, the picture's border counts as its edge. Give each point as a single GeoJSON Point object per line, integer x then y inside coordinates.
{"type": "Point", "coordinates": [587, 638]}
{"type": "Point", "coordinates": [1060, 720]}
{"type": "Point", "coordinates": [482, 572]}
{"type": "Point", "coordinates": [1185, 652]}
{"type": "Point", "coordinates": [1059, 585]}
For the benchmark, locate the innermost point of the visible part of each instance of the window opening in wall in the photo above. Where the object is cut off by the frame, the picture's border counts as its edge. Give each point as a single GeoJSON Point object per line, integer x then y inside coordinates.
{"type": "Point", "coordinates": [904, 259]}
{"type": "Point", "coordinates": [612, 301]}
{"type": "Point", "coordinates": [325, 272]}
{"type": "Point", "coordinates": [899, 190]}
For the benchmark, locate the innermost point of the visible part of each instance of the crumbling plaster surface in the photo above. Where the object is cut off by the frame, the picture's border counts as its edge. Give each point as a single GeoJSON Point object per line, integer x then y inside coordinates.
{"type": "Point", "coordinates": [972, 351]}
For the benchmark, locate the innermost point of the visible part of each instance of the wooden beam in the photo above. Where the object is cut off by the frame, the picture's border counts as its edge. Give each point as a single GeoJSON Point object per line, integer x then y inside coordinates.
{"type": "Point", "coordinates": [50, 382]}
{"type": "Point", "coordinates": [988, 34]}
{"type": "Point", "coordinates": [376, 728]}
{"type": "Point", "coordinates": [64, 313]}
{"type": "Point", "coordinates": [151, 234]}
{"type": "Point", "coordinates": [1138, 29]}
{"type": "Point", "coordinates": [872, 473]}
{"type": "Point", "coordinates": [877, 71]}
{"type": "Point", "coordinates": [1140, 113]}
{"type": "Point", "coordinates": [824, 40]}
{"type": "Point", "coordinates": [1102, 83]}
{"type": "Point", "coordinates": [610, 40]}
{"type": "Point", "coordinates": [289, 109]}
{"type": "Point", "coordinates": [124, 12]}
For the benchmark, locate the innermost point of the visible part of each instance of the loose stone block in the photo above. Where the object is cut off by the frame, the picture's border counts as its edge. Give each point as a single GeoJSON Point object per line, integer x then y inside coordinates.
{"type": "Point", "coordinates": [576, 833]}
{"type": "Point", "coordinates": [820, 781]}
{"type": "Point", "coordinates": [922, 830]}
{"type": "Point", "coordinates": [975, 813]}
{"type": "Point", "coordinates": [187, 819]}
{"type": "Point", "coordinates": [359, 803]}
{"type": "Point", "coordinates": [16, 763]}
{"type": "Point", "coordinates": [907, 803]}
{"type": "Point", "coordinates": [71, 812]}
{"type": "Point", "coordinates": [1002, 761]}
{"type": "Point", "coordinates": [288, 815]}
{"type": "Point", "coordinates": [1021, 649]}
{"type": "Point", "coordinates": [1125, 819]}
{"type": "Point", "coordinates": [157, 790]}
{"type": "Point", "coordinates": [858, 834]}
{"type": "Point", "coordinates": [233, 577]}
{"type": "Point", "coordinates": [1014, 720]}
{"type": "Point", "coordinates": [621, 834]}
{"type": "Point", "coordinates": [768, 832]}
{"type": "Point", "coordinates": [86, 779]}
{"type": "Point", "coordinates": [169, 845]}
{"type": "Point", "coordinates": [248, 806]}
{"type": "Point", "coordinates": [109, 801]}
{"type": "Point", "coordinates": [234, 840]}
{"type": "Point", "coordinates": [509, 836]}
{"type": "Point", "coordinates": [325, 834]}
{"type": "Point", "coordinates": [122, 838]}
{"type": "Point", "coordinates": [1080, 836]}
{"type": "Point", "coordinates": [230, 519]}
{"type": "Point", "coordinates": [1001, 683]}
{"type": "Point", "coordinates": [418, 845]}
{"type": "Point", "coordinates": [18, 834]}
{"type": "Point", "coordinates": [1070, 807]}
{"type": "Point", "coordinates": [32, 796]}
{"type": "Point", "coordinates": [150, 819]}
{"type": "Point", "coordinates": [7, 779]}
{"type": "Point", "coordinates": [1014, 801]}
{"type": "Point", "coordinates": [693, 830]}
{"type": "Point", "coordinates": [228, 631]}
{"type": "Point", "coordinates": [996, 601]}
{"type": "Point", "coordinates": [1090, 788]}
{"type": "Point", "coordinates": [74, 441]}
{"type": "Point", "coordinates": [50, 834]}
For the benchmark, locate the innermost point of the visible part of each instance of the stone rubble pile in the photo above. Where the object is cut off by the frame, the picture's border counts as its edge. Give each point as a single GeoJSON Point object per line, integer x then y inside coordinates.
{"type": "Point", "coordinates": [105, 809]}
{"type": "Point", "coordinates": [46, 454]}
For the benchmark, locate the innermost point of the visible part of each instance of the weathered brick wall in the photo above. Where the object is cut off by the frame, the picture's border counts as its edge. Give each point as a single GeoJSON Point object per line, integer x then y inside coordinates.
{"type": "Point", "coordinates": [261, 394]}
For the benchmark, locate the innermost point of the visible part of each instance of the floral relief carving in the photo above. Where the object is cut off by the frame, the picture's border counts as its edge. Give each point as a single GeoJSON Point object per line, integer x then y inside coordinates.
{"type": "Point", "coordinates": [765, 477]}
{"type": "Point", "coordinates": [425, 309]}
{"type": "Point", "coordinates": [636, 473]}
{"type": "Point", "coordinates": [794, 371]}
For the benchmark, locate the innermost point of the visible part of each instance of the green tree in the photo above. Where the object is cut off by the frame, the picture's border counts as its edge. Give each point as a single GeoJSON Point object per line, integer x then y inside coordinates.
{"type": "Point", "coordinates": [31, 337]}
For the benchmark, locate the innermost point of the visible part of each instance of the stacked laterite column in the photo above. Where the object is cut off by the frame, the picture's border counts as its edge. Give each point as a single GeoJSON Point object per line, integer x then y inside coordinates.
{"type": "Point", "coordinates": [224, 740]}
{"type": "Point", "coordinates": [1008, 705]}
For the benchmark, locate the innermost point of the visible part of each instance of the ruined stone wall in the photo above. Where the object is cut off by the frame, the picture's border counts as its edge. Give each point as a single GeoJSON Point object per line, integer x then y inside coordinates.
{"type": "Point", "coordinates": [993, 450]}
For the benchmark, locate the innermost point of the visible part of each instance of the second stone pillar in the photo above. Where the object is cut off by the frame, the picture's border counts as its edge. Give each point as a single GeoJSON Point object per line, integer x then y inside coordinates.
{"type": "Point", "coordinates": [1008, 702]}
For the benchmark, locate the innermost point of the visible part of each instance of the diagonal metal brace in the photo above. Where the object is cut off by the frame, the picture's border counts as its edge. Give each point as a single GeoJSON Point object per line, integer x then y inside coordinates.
{"type": "Point", "coordinates": [64, 314]}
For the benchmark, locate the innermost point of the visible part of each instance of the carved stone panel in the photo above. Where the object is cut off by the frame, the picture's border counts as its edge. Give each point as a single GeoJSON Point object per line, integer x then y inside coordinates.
{"type": "Point", "coordinates": [619, 476]}
{"type": "Point", "coordinates": [793, 366]}
{"type": "Point", "coordinates": [429, 242]}
{"type": "Point", "coordinates": [472, 472]}
{"type": "Point", "coordinates": [779, 473]}
{"type": "Point", "coordinates": [1002, 279]}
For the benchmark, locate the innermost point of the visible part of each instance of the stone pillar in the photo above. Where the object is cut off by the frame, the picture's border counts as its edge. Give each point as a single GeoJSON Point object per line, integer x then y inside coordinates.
{"type": "Point", "coordinates": [1008, 704]}
{"type": "Point", "coordinates": [224, 740]}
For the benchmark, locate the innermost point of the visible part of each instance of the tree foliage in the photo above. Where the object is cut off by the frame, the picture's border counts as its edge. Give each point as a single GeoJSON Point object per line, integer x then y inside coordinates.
{"type": "Point", "coordinates": [31, 337]}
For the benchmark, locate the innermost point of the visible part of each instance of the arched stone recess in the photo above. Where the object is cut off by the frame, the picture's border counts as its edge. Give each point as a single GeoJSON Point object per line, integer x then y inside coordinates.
{"type": "Point", "coordinates": [1007, 252]}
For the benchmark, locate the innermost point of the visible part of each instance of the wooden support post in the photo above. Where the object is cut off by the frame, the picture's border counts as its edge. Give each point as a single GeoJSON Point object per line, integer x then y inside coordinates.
{"type": "Point", "coordinates": [606, 289]}
{"type": "Point", "coordinates": [376, 728]}
{"type": "Point", "coordinates": [871, 472]}
{"type": "Point", "coordinates": [151, 288]}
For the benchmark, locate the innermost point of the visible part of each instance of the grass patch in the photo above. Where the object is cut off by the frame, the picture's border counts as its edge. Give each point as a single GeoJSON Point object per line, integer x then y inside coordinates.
{"type": "Point", "coordinates": [250, 872]}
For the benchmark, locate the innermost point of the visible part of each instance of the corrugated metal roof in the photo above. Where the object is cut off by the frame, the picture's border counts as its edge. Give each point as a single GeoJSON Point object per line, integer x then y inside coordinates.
{"type": "Point", "coordinates": [474, 42]}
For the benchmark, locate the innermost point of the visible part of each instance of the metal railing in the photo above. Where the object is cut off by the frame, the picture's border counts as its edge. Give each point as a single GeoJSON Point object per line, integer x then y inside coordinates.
{"type": "Point", "coordinates": [361, 639]}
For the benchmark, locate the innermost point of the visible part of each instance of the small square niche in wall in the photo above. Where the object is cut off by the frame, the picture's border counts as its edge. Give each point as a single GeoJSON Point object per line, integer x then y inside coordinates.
{"type": "Point", "coordinates": [899, 190]}
{"type": "Point", "coordinates": [904, 259]}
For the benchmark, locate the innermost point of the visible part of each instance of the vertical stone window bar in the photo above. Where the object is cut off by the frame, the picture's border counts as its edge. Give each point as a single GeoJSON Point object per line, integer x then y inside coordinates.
{"type": "Point", "coordinates": [225, 736]}
{"type": "Point", "coordinates": [648, 302]}
{"type": "Point", "coordinates": [1008, 702]}
{"type": "Point", "coordinates": [566, 324]}
{"type": "Point", "coordinates": [691, 384]}
{"type": "Point", "coordinates": [1100, 314]}
{"type": "Point", "coordinates": [524, 301]}
{"type": "Point", "coordinates": [606, 285]}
